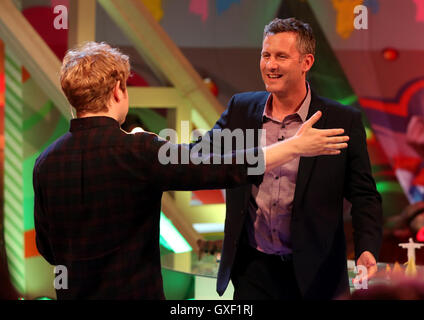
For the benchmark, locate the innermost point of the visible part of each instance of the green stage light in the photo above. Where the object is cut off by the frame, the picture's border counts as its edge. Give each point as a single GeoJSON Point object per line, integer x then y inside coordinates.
{"type": "Point", "coordinates": [347, 101]}
{"type": "Point", "coordinates": [170, 237]}
{"type": "Point", "coordinates": [368, 132]}
{"type": "Point", "coordinates": [388, 186]}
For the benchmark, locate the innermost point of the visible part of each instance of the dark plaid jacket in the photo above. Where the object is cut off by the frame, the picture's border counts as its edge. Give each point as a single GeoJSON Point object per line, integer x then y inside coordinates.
{"type": "Point", "coordinates": [97, 206]}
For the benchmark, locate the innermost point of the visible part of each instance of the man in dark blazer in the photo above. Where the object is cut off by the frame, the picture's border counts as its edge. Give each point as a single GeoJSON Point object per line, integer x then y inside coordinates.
{"type": "Point", "coordinates": [97, 189]}
{"type": "Point", "coordinates": [284, 237]}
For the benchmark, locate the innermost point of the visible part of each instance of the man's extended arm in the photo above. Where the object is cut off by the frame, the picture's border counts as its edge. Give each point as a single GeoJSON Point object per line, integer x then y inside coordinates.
{"type": "Point", "coordinates": [361, 191]}
{"type": "Point", "coordinates": [225, 171]}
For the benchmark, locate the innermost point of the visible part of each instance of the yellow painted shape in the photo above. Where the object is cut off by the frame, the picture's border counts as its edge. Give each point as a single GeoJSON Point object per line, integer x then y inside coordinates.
{"type": "Point", "coordinates": [397, 268]}
{"type": "Point", "coordinates": [411, 269]}
{"type": "Point", "coordinates": [155, 8]}
{"type": "Point", "coordinates": [345, 16]}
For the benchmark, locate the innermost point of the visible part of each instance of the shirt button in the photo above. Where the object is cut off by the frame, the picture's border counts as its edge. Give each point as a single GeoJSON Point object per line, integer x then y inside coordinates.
{"type": "Point", "coordinates": [277, 177]}
{"type": "Point", "coordinates": [274, 204]}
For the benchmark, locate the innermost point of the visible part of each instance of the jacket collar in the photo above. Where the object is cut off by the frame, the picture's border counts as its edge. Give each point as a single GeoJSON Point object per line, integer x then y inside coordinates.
{"type": "Point", "coordinates": [92, 122]}
{"type": "Point", "coordinates": [316, 104]}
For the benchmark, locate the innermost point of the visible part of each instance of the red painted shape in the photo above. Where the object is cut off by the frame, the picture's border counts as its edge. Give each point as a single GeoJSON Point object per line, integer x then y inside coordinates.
{"type": "Point", "coordinates": [419, 179]}
{"type": "Point", "coordinates": [42, 20]}
{"type": "Point", "coordinates": [411, 164]}
{"type": "Point", "coordinates": [399, 108]}
{"type": "Point", "coordinates": [213, 88]}
{"type": "Point", "coordinates": [209, 196]}
{"type": "Point", "coordinates": [25, 75]}
{"type": "Point", "coordinates": [135, 80]}
{"type": "Point", "coordinates": [2, 83]}
{"type": "Point", "coordinates": [2, 89]}
{"type": "Point", "coordinates": [420, 235]}
{"type": "Point", "coordinates": [30, 246]}
{"type": "Point", "coordinates": [55, 3]}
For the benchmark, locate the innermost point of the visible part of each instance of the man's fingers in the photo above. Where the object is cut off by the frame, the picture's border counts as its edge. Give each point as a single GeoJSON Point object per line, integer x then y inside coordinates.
{"type": "Point", "coordinates": [331, 132]}
{"type": "Point", "coordinates": [372, 270]}
{"type": "Point", "coordinates": [338, 139]}
{"type": "Point", "coordinates": [333, 146]}
{"type": "Point", "coordinates": [330, 152]}
{"type": "Point", "coordinates": [312, 120]}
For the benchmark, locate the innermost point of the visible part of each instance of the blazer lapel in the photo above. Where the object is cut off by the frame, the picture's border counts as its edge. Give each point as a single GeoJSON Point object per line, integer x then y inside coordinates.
{"type": "Point", "coordinates": [306, 164]}
{"type": "Point", "coordinates": [259, 111]}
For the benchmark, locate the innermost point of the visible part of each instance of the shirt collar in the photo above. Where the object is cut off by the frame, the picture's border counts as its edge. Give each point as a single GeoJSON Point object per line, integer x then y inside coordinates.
{"type": "Point", "coordinates": [302, 111]}
{"type": "Point", "coordinates": [92, 122]}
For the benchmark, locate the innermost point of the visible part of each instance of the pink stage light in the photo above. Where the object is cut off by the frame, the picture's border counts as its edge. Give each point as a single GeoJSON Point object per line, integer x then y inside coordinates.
{"type": "Point", "coordinates": [420, 235]}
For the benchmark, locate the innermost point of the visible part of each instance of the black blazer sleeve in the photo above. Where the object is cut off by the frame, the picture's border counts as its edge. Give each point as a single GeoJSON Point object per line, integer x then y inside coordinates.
{"type": "Point", "coordinates": [361, 191]}
{"type": "Point", "coordinates": [41, 222]}
{"type": "Point", "coordinates": [193, 175]}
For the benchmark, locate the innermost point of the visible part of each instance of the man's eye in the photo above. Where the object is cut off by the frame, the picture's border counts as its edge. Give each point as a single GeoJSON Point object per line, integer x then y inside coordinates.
{"type": "Point", "coordinates": [282, 56]}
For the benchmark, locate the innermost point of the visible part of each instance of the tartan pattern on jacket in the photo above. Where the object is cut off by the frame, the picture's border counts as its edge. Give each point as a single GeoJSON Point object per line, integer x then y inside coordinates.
{"type": "Point", "coordinates": [97, 207]}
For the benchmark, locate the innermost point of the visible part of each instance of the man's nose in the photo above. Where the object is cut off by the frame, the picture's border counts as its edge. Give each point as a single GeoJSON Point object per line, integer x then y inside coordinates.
{"type": "Point", "coordinates": [271, 64]}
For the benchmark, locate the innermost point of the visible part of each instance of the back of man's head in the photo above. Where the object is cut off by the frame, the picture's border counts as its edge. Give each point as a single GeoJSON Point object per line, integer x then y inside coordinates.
{"type": "Point", "coordinates": [89, 73]}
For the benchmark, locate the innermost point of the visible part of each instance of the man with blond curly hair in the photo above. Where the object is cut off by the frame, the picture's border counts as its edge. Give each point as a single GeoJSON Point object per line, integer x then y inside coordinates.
{"type": "Point", "coordinates": [98, 189]}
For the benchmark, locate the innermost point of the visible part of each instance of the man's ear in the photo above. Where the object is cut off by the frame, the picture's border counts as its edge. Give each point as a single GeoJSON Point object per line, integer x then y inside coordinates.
{"type": "Point", "coordinates": [308, 62]}
{"type": "Point", "coordinates": [117, 92]}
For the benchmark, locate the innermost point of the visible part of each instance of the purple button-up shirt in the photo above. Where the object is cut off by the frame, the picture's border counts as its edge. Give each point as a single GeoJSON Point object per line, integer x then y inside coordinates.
{"type": "Point", "coordinates": [270, 205]}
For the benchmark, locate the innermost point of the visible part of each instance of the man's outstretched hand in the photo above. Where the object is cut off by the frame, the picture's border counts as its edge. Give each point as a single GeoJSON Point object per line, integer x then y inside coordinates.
{"type": "Point", "coordinates": [307, 142]}
{"type": "Point", "coordinates": [314, 142]}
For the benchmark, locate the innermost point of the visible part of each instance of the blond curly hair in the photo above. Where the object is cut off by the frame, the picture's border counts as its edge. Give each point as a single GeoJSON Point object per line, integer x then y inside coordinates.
{"type": "Point", "coordinates": [89, 73]}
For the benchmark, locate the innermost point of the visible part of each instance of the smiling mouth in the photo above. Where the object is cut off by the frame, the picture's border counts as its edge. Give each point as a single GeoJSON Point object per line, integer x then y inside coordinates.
{"type": "Point", "coordinates": [274, 76]}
